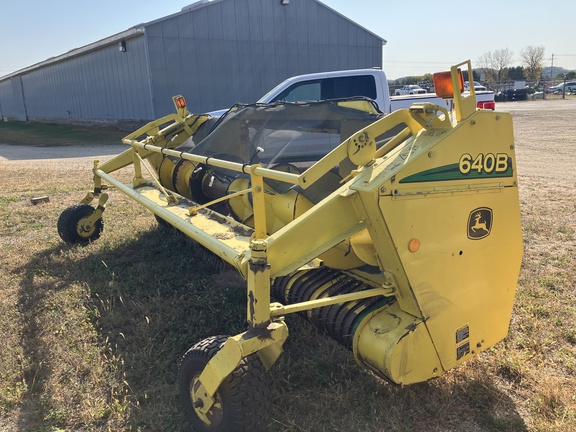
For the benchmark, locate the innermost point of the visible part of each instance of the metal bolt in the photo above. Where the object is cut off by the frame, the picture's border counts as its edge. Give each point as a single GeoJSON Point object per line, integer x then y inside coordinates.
{"type": "Point", "coordinates": [198, 404]}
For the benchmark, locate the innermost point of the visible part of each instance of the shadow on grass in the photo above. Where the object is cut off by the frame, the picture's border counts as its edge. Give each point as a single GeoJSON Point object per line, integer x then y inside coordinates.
{"type": "Point", "coordinates": [319, 387]}
{"type": "Point", "coordinates": [107, 324]}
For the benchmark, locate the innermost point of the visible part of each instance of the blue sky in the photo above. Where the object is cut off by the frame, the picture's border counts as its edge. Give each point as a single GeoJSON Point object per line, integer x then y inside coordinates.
{"type": "Point", "coordinates": [422, 36]}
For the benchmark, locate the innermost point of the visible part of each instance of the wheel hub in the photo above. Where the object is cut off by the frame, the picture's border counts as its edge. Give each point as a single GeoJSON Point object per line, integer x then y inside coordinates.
{"type": "Point", "coordinates": [84, 229]}
{"type": "Point", "coordinates": [215, 415]}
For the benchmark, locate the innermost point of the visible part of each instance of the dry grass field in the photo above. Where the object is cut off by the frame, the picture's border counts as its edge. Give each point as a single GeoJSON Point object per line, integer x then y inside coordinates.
{"type": "Point", "coordinates": [91, 336]}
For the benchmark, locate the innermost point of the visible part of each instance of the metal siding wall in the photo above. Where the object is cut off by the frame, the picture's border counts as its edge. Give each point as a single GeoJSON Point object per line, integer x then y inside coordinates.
{"type": "Point", "coordinates": [102, 84]}
{"type": "Point", "coordinates": [12, 100]}
{"type": "Point", "coordinates": [7, 99]}
{"type": "Point", "coordinates": [18, 98]}
{"type": "Point", "coordinates": [236, 50]}
{"type": "Point", "coordinates": [222, 53]}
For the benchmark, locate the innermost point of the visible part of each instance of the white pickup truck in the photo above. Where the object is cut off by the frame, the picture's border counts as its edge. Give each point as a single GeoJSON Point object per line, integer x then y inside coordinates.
{"type": "Point", "coordinates": [409, 89]}
{"type": "Point", "coordinates": [371, 83]}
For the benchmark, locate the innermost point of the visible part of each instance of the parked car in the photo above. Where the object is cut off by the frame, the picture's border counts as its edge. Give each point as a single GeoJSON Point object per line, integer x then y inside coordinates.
{"type": "Point", "coordinates": [477, 86]}
{"type": "Point", "coordinates": [559, 88]}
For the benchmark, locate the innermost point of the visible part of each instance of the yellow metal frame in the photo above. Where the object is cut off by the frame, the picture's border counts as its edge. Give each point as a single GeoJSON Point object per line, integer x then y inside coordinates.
{"type": "Point", "coordinates": [254, 262]}
{"type": "Point", "coordinates": [260, 257]}
{"type": "Point", "coordinates": [267, 342]}
{"type": "Point", "coordinates": [255, 255]}
{"type": "Point", "coordinates": [465, 106]}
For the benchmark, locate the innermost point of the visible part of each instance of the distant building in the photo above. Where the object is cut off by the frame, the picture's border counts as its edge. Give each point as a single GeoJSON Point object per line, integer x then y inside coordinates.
{"type": "Point", "coordinates": [215, 53]}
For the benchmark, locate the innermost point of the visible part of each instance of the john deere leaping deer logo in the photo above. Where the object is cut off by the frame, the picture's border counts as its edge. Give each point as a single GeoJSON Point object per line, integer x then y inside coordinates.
{"type": "Point", "coordinates": [479, 223]}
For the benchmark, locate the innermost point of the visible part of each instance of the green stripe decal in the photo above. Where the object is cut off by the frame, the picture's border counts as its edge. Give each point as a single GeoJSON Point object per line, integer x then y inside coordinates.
{"type": "Point", "coordinates": [452, 172]}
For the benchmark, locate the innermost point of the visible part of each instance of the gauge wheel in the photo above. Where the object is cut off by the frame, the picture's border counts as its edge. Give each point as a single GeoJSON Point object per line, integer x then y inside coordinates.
{"type": "Point", "coordinates": [72, 226]}
{"type": "Point", "coordinates": [162, 223]}
{"type": "Point", "coordinates": [242, 402]}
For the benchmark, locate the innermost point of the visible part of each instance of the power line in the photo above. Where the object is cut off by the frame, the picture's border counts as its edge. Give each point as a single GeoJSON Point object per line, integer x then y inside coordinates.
{"type": "Point", "coordinates": [416, 62]}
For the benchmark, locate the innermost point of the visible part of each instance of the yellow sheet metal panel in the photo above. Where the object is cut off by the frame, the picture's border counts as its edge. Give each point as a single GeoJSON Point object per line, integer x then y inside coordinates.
{"type": "Point", "coordinates": [463, 210]}
{"type": "Point", "coordinates": [460, 281]}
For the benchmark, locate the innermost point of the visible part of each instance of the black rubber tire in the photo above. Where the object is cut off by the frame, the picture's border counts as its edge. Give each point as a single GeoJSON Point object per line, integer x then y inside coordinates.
{"type": "Point", "coordinates": [243, 401]}
{"type": "Point", "coordinates": [162, 223]}
{"type": "Point", "coordinates": [68, 225]}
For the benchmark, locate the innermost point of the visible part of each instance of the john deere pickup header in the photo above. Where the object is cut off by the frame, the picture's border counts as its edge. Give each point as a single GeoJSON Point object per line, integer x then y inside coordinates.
{"type": "Point", "coordinates": [398, 235]}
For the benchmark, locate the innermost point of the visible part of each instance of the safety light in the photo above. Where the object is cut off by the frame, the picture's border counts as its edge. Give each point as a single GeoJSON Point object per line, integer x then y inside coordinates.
{"type": "Point", "coordinates": [491, 105]}
{"type": "Point", "coordinates": [443, 84]}
{"type": "Point", "coordinates": [180, 102]}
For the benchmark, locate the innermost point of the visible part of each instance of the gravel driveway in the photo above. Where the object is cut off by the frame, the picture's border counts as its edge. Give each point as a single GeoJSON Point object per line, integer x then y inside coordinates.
{"type": "Point", "coordinates": [57, 156]}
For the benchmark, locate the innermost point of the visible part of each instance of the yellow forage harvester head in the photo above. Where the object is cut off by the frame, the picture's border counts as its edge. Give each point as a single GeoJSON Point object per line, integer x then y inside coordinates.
{"type": "Point", "coordinates": [399, 235]}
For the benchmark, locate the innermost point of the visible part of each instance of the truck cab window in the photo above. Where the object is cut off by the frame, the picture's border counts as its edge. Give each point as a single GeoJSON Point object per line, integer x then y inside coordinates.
{"type": "Point", "coordinates": [330, 88]}
{"type": "Point", "coordinates": [305, 91]}
{"type": "Point", "coordinates": [350, 86]}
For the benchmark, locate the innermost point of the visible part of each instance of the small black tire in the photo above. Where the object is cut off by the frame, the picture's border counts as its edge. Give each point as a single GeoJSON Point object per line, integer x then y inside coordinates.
{"type": "Point", "coordinates": [162, 223]}
{"type": "Point", "coordinates": [243, 401]}
{"type": "Point", "coordinates": [71, 227]}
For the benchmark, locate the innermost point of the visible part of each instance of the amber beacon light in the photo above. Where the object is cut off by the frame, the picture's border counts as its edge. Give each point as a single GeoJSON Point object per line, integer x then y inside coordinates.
{"type": "Point", "coordinates": [443, 84]}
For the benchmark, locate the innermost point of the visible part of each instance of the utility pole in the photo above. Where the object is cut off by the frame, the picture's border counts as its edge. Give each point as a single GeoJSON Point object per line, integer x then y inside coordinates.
{"type": "Point", "coordinates": [551, 78]}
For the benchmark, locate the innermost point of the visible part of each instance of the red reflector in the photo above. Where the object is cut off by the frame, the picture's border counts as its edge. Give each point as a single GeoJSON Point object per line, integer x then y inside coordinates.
{"type": "Point", "coordinates": [181, 102]}
{"type": "Point", "coordinates": [487, 105]}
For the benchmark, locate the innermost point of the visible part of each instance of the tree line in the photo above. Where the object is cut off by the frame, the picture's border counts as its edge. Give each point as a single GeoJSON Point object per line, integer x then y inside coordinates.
{"type": "Point", "coordinates": [494, 67]}
{"type": "Point", "coordinates": [496, 64]}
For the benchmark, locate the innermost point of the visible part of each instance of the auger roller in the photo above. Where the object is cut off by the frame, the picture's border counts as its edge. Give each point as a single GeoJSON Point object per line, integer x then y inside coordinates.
{"type": "Point", "coordinates": [397, 235]}
{"type": "Point", "coordinates": [338, 320]}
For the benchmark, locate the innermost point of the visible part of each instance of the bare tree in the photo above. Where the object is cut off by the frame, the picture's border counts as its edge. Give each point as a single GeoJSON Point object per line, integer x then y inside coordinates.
{"type": "Point", "coordinates": [502, 59]}
{"type": "Point", "coordinates": [533, 60]}
{"type": "Point", "coordinates": [486, 63]}
{"type": "Point", "coordinates": [495, 64]}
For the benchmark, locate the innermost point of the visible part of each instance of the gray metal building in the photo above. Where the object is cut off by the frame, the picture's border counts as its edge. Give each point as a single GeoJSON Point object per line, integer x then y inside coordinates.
{"type": "Point", "coordinates": [215, 53]}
